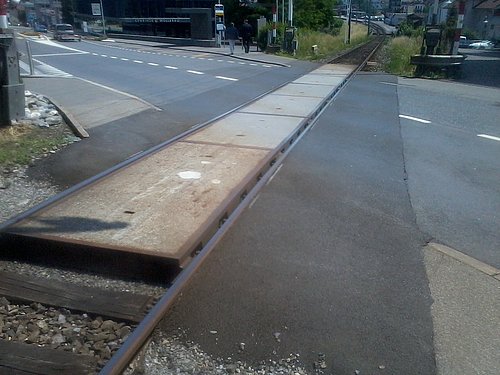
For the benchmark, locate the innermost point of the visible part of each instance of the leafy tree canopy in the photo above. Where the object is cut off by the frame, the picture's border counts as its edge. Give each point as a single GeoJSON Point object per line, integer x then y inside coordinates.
{"type": "Point", "coordinates": [314, 14]}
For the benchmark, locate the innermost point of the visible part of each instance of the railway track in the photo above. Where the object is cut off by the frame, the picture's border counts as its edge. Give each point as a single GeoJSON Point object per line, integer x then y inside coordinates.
{"type": "Point", "coordinates": [117, 266]}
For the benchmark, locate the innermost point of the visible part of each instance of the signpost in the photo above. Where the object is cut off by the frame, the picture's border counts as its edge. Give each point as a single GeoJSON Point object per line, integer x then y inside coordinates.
{"type": "Point", "coordinates": [219, 22]}
{"type": "Point", "coordinates": [98, 11]}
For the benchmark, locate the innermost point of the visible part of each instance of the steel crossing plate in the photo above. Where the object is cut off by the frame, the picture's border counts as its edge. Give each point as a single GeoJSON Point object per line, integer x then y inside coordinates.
{"type": "Point", "coordinates": [164, 203]}
{"type": "Point", "coordinates": [153, 207]}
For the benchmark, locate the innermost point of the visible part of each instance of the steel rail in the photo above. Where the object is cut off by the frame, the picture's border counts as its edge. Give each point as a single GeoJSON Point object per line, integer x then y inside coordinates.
{"type": "Point", "coordinates": [138, 338]}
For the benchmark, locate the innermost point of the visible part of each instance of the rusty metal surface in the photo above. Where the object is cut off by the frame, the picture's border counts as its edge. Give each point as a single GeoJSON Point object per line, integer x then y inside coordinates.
{"type": "Point", "coordinates": [170, 202]}
{"type": "Point", "coordinates": [152, 207]}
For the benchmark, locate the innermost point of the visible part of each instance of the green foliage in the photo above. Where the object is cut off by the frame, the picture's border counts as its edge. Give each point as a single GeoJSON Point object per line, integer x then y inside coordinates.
{"type": "Point", "coordinates": [19, 144]}
{"type": "Point", "coordinates": [327, 44]}
{"type": "Point", "coordinates": [470, 34]}
{"type": "Point", "coordinates": [314, 14]}
{"type": "Point", "coordinates": [407, 29]}
{"type": "Point", "coordinates": [397, 55]}
{"type": "Point", "coordinates": [262, 39]}
{"type": "Point", "coordinates": [67, 11]}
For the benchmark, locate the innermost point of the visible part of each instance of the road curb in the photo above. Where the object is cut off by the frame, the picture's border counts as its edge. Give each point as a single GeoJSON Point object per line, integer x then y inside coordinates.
{"type": "Point", "coordinates": [466, 259]}
{"type": "Point", "coordinates": [73, 123]}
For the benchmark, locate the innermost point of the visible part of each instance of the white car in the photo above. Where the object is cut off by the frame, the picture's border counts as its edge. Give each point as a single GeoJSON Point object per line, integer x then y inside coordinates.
{"type": "Point", "coordinates": [482, 44]}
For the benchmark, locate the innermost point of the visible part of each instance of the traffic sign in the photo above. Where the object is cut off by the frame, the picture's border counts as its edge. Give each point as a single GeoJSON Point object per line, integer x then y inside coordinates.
{"type": "Point", "coordinates": [219, 9]}
{"type": "Point", "coordinates": [96, 9]}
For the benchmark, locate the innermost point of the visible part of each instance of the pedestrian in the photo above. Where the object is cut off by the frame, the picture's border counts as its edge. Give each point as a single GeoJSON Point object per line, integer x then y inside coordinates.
{"type": "Point", "coordinates": [246, 34]}
{"type": "Point", "coordinates": [232, 36]}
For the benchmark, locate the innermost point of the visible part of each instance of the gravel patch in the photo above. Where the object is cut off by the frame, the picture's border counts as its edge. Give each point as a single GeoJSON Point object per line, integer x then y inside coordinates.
{"type": "Point", "coordinates": [18, 193]}
{"type": "Point", "coordinates": [60, 329]}
{"type": "Point", "coordinates": [170, 355]}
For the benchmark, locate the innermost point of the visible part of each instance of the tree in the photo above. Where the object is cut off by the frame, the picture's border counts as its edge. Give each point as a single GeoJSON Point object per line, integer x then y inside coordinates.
{"type": "Point", "coordinates": [314, 14]}
{"type": "Point", "coordinates": [67, 11]}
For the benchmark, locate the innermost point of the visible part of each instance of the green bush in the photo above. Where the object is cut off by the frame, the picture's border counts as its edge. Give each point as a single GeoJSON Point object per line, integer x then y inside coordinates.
{"type": "Point", "coordinates": [397, 55]}
{"type": "Point", "coordinates": [327, 44]}
{"type": "Point", "coordinates": [262, 37]}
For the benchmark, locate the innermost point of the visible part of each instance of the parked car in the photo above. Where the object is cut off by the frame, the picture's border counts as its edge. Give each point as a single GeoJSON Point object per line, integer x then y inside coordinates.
{"type": "Point", "coordinates": [482, 44]}
{"type": "Point", "coordinates": [464, 43]}
{"type": "Point", "coordinates": [64, 31]}
{"type": "Point", "coordinates": [40, 28]}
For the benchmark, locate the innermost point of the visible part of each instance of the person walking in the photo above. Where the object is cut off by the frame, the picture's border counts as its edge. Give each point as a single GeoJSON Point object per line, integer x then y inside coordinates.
{"type": "Point", "coordinates": [232, 36]}
{"type": "Point", "coordinates": [246, 34]}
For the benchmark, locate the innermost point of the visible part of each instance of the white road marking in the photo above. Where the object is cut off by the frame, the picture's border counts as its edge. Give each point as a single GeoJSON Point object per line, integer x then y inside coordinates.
{"type": "Point", "coordinates": [415, 119]}
{"type": "Point", "coordinates": [61, 54]}
{"type": "Point", "coordinates": [153, 64]}
{"type": "Point", "coordinates": [104, 55]}
{"type": "Point", "coordinates": [389, 83]}
{"type": "Point", "coordinates": [139, 61]}
{"type": "Point", "coordinates": [53, 44]}
{"type": "Point", "coordinates": [113, 57]}
{"type": "Point", "coordinates": [121, 92]}
{"type": "Point", "coordinates": [95, 54]}
{"type": "Point", "coordinates": [124, 59]}
{"type": "Point", "coordinates": [171, 67]}
{"type": "Point", "coordinates": [489, 137]}
{"type": "Point", "coordinates": [227, 78]}
{"type": "Point", "coordinates": [194, 72]}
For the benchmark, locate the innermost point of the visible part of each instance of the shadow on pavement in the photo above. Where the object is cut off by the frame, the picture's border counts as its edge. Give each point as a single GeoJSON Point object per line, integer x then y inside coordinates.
{"type": "Point", "coordinates": [481, 68]}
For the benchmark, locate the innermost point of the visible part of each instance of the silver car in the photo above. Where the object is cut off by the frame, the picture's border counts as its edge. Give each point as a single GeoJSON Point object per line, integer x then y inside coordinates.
{"type": "Point", "coordinates": [482, 44]}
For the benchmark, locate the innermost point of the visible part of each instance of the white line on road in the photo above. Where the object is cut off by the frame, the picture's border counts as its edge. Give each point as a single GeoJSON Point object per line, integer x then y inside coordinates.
{"type": "Point", "coordinates": [227, 78]}
{"type": "Point", "coordinates": [153, 64]}
{"type": "Point", "coordinates": [113, 57]}
{"type": "Point", "coordinates": [121, 92]}
{"type": "Point", "coordinates": [61, 54]}
{"type": "Point", "coordinates": [489, 137]}
{"type": "Point", "coordinates": [139, 61]}
{"type": "Point", "coordinates": [194, 72]}
{"type": "Point", "coordinates": [104, 55]}
{"type": "Point", "coordinates": [123, 59]}
{"type": "Point", "coordinates": [415, 119]}
{"type": "Point", "coordinates": [171, 67]}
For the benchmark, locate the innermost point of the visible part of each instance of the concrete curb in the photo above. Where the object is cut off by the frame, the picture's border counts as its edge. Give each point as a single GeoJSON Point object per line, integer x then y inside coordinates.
{"type": "Point", "coordinates": [466, 259]}
{"type": "Point", "coordinates": [73, 123]}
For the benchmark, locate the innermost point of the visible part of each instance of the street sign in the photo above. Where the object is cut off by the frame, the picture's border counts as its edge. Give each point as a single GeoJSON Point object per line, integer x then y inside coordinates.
{"type": "Point", "coordinates": [96, 9]}
{"type": "Point", "coordinates": [219, 9]}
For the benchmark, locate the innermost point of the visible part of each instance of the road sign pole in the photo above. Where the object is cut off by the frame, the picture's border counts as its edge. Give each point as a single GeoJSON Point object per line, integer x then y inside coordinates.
{"type": "Point", "coordinates": [3, 14]}
{"type": "Point", "coordinates": [103, 23]}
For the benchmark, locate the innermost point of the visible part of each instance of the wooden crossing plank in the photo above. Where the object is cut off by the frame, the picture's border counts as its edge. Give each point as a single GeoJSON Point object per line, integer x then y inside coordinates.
{"type": "Point", "coordinates": [119, 305]}
{"type": "Point", "coordinates": [22, 359]}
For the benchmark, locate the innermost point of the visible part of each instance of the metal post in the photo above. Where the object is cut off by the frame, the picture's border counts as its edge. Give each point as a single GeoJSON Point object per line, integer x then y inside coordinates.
{"type": "Point", "coordinates": [3, 14]}
{"type": "Point", "coordinates": [275, 16]}
{"type": "Point", "coordinates": [458, 30]}
{"type": "Point", "coordinates": [103, 23]}
{"type": "Point", "coordinates": [290, 13]}
{"type": "Point", "coordinates": [30, 57]}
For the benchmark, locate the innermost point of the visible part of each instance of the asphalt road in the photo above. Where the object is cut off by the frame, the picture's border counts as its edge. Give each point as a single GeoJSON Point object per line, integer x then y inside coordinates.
{"type": "Point", "coordinates": [328, 257]}
{"type": "Point", "coordinates": [453, 170]}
